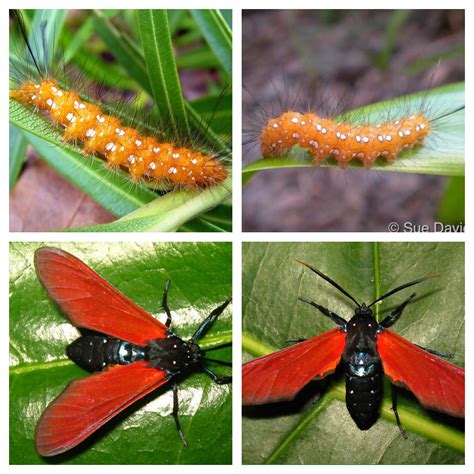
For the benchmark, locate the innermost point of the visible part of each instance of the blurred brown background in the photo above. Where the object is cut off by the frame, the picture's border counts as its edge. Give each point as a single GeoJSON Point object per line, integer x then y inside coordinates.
{"type": "Point", "coordinates": [354, 58]}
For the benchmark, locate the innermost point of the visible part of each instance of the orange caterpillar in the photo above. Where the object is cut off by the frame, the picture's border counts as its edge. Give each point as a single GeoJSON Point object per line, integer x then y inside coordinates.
{"type": "Point", "coordinates": [324, 137]}
{"type": "Point", "coordinates": [103, 135]}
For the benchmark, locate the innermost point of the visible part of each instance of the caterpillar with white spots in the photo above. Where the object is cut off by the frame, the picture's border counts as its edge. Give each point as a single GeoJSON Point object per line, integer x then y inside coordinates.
{"type": "Point", "coordinates": [104, 135]}
{"type": "Point", "coordinates": [344, 142]}
{"type": "Point", "coordinates": [177, 145]}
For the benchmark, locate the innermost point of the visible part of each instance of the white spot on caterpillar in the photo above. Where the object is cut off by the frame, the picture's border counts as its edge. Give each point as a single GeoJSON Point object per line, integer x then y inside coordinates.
{"type": "Point", "coordinates": [422, 126]}
{"type": "Point", "coordinates": [295, 135]}
{"type": "Point", "coordinates": [54, 89]}
{"type": "Point", "coordinates": [194, 161]}
{"type": "Point", "coordinates": [388, 138]}
{"type": "Point", "coordinates": [156, 150]}
{"type": "Point", "coordinates": [76, 104]}
{"type": "Point", "coordinates": [175, 155]}
{"type": "Point", "coordinates": [59, 93]}
{"type": "Point", "coordinates": [152, 165]}
{"type": "Point", "coordinates": [49, 102]}
{"type": "Point", "coordinates": [37, 86]}
{"type": "Point", "coordinates": [380, 138]}
{"type": "Point", "coordinates": [119, 132]}
{"type": "Point", "coordinates": [131, 158]}
{"type": "Point", "coordinates": [82, 106]}
{"type": "Point", "coordinates": [407, 133]}
{"type": "Point", "coordinates": [172, 170]}
{"type": "Point", "coordinates": [365, 139]}
{"type": "Point", "coordinates": [358, 139]}
{"type": "Point", "coordinates": [294, 120]}
{"type": "Point", "coordinates": [100, 119]}
{"type": "Point", "coordinates": [275, 125]}
{"type": "Point", "coordinates": [90, 132]}
{"type": "Point", "coordinates": [138, 142]}
{"type": "Point", "coordinates": [33, 97]}
{"type": "Point", "coordinates": [70, 116]}
{"type": "Point", "coordinates": [324, 131]}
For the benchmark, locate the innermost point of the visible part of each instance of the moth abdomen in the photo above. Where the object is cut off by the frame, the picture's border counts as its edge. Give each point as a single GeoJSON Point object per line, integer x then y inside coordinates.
{"type": "Point", "coordinates": [94, 352]}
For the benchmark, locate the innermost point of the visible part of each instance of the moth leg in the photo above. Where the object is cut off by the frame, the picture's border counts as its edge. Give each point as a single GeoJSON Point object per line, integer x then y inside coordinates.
{"type": "Point", "coordinates": [446, 355]}
{"type": "Point", "coordinates": [219, 380]}
{"type": "Point", "coordinates": [164, 303]}
{"type": "Point", "coordinates": [214, 315]}
{"type": "Point", "coordinates": [395, 411]}
{"type": "Point", "coordinates": [175, 414]}
{"type": "Point", "coordinates": [339, 320]}
{"type": "Point", "coordinates": [295, 340]}
{"type": "Point", "coordinates": [393, 316]}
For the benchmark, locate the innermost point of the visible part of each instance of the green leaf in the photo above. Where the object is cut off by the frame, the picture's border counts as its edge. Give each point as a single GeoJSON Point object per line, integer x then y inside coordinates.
{"type": "Point", "coordinates": [110, 189]}
{"type": "Point", "coordinates": [301, 433]}
{"type": "Point", "coordinates": [166, 213]}
{"type": "Point", "coordinates": [451, 208]}
{"type": "Point", "coordinates": [162, 71]}
{"type": "Point", "coordinates": [126, 52]}
{"type": "Point", "coordinates": [47, 25]}
{"type": "Point", "coordinates": [17, 153]}
{"type": "Point", "coordinates": [442, 153]}
{"type": "Point", "coordinates": [218, 35]}
{"type": "Point", "coordinates": [201, 279]}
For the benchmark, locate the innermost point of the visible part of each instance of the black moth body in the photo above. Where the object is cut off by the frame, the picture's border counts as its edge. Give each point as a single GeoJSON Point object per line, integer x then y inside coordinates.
{"type": "Point", "coordinates": [171, 354]}
{"type": "Point", "coordinates": [362, 368]}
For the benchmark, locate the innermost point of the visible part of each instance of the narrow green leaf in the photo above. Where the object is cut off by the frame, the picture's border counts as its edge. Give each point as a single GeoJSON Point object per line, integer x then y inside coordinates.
{"type": "Point", "coordinates": [218, 35]}
{"type": "Point", "coordinates": [112, 190]}
{"type": "Point", "coordinates": [46, 24]}
{"type": "Point", "coordinates": [159, 56]}
{"type": "Point", "coordinates": [123, 49]}
{"type": "Point", "coordinates": [17, 152]}
{"type": "Point", "coordinates": [167, 213]}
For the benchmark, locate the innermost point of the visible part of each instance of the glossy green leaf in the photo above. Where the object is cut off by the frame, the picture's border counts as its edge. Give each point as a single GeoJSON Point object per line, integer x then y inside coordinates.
{"type": "Point", "coordinates": [300, 432]}
{"type": "Point", "coordinates": [442, 153]}
{"type": "Point", "coordinates": [201, 279]}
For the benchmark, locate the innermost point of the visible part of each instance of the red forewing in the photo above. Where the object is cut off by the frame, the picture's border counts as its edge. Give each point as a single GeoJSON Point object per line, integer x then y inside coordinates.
{"type": "Point", "coordinates": [281, 375]}
{"type": "Point", "coordinates": [437, 384]}
{"type": "Point", "coordinates": [91, 302]}
{"type": "Point", "coordinates": [86, 404]}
